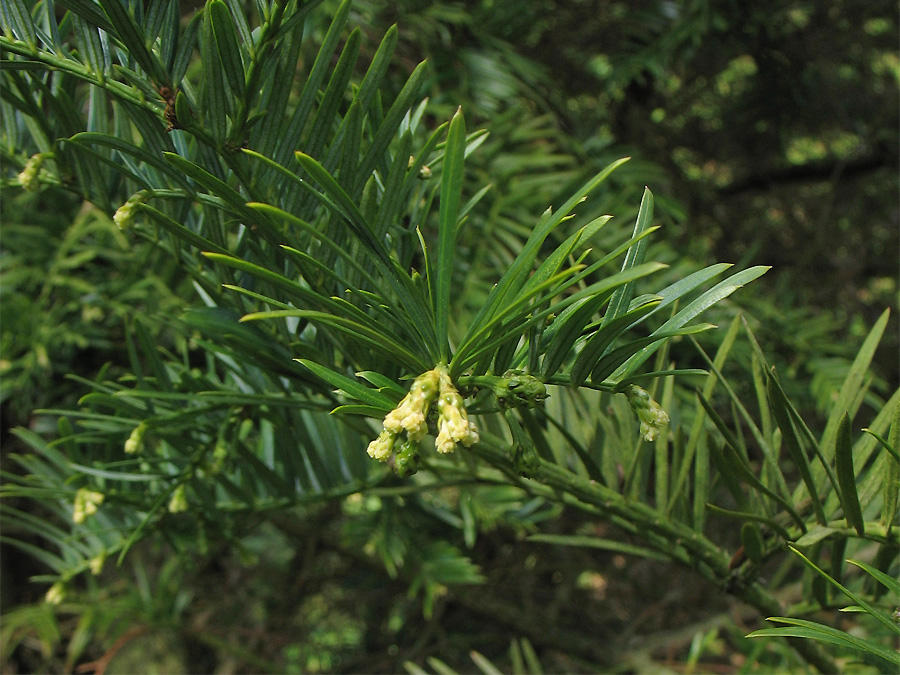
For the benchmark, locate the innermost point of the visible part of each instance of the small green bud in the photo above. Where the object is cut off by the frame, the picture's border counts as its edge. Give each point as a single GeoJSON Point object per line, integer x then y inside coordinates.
{"type": "Point", "coordinates": [135, 441]}
{"type": "Point", "coordinates": [526, 460]}
{"type": "Point", "coordinates": [124, 215]}
{"type": "Point", "coordinates": [183, 114]}
{"type": "Point", "coordinates": [406, 463]}
{"type": "Point", "coordinates": [28, 179]}
{"type": "Point", "coordinates": [382, 447]}
{"type": "Point", "coordinates": [649, 412]}
{"type": "Point", "coordinates": [218, 458]}
{"type": "Point", "coordinates": [517, 389]}
{"type": "Point", "coordinates": [424, 170]}
{"type": "Point", "coordinates": [96, 563]}
{"type": "Point", "coordinates": [56, 594]}
{"type": "Point", "coordinates": [85, 505]}
{"type": "Point", "coordinates": [41, 356]}
{"type": "Point", "coordinates": [178, 502]}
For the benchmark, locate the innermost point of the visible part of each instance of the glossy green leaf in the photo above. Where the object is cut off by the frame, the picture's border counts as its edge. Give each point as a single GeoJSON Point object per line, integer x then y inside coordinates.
{"type": "Point", "coordinates": [552, 263]}
{"type": "Point", "coordinates": [291, 129]}
{"type": "Point", "coordinates": [597, 542]}
{"type": "Point", "coordinates": [186, 45]}
{"type": "Point", "coordinates": [883, 618]}
{"type": "Point", "coordinates": [340, 201]}
{"type": "Point", "coordinates": [392, 207]}
{"type": "Point", "coordinates": [451, 192]}
{"type": "Point", "coordinates": [138, 153]}
{"type": "Point", "coordinates": [227, 46]}
{"type": "Point", "coordinates": [335, 91]}
{"type": "Point", "coordinates": [697, 426]}
{"type": "Point", "coordinates": [294, 289]}
{"type": "Point", "coordinates": [89, 11]}
{"type": "Point", "coordinates": [221, 189]}
{"type": "Point", "coordinates": [846, 475]}
{"type": "Point", "coordinates": [569, 327]}
{"type": "Point", "coordinates": [239, 13]}
{"type": "Point", "coordinates": [387, 129]}
{"type": "Point", "coordinates": [353, 388]}
{"type": "Point", "coordinates": [17, 20]}
{"type": "Point", "coordinates": [779, 403]}
{"type": "Point", "coordinates": [602, 339]}
{"type": "Point", "coordinates": [714, 295]}
{"type": "Point", "coordinates": [691, 282]}
{"type": "Point", "coordinates": [346, 257]}
{"type": "Point", "coordinates": [180, 231]}
{"type": "Point", "coordinates": [891, 490]}
{"type": "Point", "coordinates": [132, 37]}
{"type": "Point", "coordinates": [606, 365]}
{"type": "Point", "coordinates": [378, 67]}
{"type": "Point", "coordinates": [802, 628]}
{"type": "Point", "coordinates": [87, 38]}
{"type": "Point", "coordinates": [621, 299]}
{"type": "Point", "coordinates": [737, 465]}
{"type": "Point", "coordinates": [383, 383]}
{"type": "Point", "coordinates": [343, 203]}
{"type": "Point", "coordinates": [815, 535]}
{"type": "Point", "coordinates": [215, 102]}
{"type": "Point", "coordinates": [513, 279]}
{"type": "Point", "coordinates": [368, 335]}
{"type": "Point", "coordinates": [517, 319]}
{"type": "Point", "coordinates": [888, 581]}
{"type": "Point", "coordinates": [850, 388]}
{"type": "Point", "coordinates": [163, 19]}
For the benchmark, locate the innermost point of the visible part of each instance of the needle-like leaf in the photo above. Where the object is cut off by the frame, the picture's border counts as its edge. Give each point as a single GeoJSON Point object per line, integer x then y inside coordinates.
{"type": "Point", "coordinates": [451, 191]}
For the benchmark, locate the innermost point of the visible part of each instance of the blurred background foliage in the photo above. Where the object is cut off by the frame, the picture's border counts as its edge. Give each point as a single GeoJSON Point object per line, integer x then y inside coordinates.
{"type": "Point", "coordinates": [768, 132]}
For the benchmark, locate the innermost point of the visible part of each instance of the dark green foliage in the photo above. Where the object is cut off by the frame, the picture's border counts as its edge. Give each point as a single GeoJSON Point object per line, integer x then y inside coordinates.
{"type": "Point", "coordinates": [310, 256]}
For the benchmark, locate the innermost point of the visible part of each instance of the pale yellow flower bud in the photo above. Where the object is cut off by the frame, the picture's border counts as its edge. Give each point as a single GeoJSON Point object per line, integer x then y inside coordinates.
{"type": "Point", "coordinates": [410, 415]}
{"type": "Point", "coordinates": [649, 412]}
{"type": "Point", "coordinates": [85, 505]}
{"type": "Point", "coordinates": [136, 440]}
{"type": "Point", "coordinates": [28, 179]}
{"type": "Point", "coordinates": [56, 594]}
{"type": "Point", "coordinates": [96, 563]}
{"type": "Point", "coordinates": [410, 419]}
{"type": "Point", "coordinates": [178, 502]}
{"type": "Point", "coordinates": [124, 215]}
{"type": "Point", "coordinates": [453, 421]}
{"type": "Point", "coordinates": [382, 446]}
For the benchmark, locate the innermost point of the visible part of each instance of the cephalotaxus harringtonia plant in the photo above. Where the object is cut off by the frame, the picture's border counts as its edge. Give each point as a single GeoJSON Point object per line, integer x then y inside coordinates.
{"type": "Point", "coordinates": [319, 226]}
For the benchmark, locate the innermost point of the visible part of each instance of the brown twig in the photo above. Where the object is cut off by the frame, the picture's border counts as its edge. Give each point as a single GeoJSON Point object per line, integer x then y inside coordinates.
{"type": "Point", "coordinates": [99, 666]}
